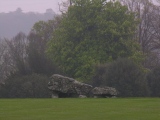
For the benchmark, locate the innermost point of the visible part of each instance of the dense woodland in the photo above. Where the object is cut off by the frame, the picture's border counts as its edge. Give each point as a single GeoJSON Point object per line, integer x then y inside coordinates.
{"type": "Point", "coordinates": [103, 43]}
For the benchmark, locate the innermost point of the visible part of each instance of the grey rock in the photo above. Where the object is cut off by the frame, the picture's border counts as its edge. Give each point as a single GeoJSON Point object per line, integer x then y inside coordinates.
{"type": "Point", "coordinates": [82, 96]}
{"type": "Point", "coordinates": [104, 92]}
{"type": "Point", "coordinates": [54, 95]}
{"type": "Point", "coordinates": [62, 86]}
{"type": "Point", "coordinates": [68, 87]}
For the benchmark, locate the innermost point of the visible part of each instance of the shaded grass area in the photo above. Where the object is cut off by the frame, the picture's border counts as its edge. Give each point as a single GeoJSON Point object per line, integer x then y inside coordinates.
{"type": "Point", "coordinates": [80, 109]}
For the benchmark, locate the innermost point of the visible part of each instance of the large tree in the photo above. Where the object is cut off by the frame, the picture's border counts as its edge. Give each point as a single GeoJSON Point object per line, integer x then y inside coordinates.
{"type": "Point", "coordinates": [93, 32]}
{"type": "Point", "coordinates": [5, 61]}
{"type": "Point", "coordinates": [17, 53]}
{"type": "Point", "coordinates": [37, 43]}
{"type": "Point", "coordinates": [148, 29]}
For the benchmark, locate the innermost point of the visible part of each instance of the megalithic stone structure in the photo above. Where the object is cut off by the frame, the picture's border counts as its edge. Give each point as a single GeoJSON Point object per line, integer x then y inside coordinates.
{"type": "Point", "coordinates": [65, 87]}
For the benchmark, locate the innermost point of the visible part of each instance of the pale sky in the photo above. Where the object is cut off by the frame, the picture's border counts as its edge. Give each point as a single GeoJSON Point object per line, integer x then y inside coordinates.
{"type": "Point", "coordinates": [29, 5]}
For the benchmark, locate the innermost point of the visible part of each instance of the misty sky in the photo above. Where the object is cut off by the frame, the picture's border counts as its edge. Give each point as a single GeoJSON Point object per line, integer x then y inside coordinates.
{"type": "Point", "coordinates": [29, 5]}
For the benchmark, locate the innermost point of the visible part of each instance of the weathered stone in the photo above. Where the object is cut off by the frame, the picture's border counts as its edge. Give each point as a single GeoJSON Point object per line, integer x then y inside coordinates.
{"type": "Point", "coordinates": [68, 87]}
{"type": "Point", "coordinates": [54, 94]}
{"type": "Point", "coordinates": [82, 96]}
{"type": "Point", "coordinates": [104, 92]}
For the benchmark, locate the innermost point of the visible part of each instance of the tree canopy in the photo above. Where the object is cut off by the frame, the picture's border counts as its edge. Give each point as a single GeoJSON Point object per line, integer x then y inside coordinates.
{"type": "Point", "coordinates": [93, 32]}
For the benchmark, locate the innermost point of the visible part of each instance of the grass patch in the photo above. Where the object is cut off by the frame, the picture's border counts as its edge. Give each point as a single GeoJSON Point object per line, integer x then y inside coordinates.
{"type": "Point", "coordinates": [80, 109]}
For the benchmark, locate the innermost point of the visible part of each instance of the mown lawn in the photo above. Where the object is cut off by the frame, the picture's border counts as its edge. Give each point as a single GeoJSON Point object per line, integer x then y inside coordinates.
{"type": "Point", "coordinates": [80, 109]}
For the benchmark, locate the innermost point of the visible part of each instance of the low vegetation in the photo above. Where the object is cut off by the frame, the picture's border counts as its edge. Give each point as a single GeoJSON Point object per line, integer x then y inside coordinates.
{"type": "Point", "coordinates": [80, 109]}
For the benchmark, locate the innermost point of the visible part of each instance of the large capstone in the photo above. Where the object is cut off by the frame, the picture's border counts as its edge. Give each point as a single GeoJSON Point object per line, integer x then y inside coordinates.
{"type": "Point", "coordinates": [68, 87]}
{"type": "Point", "coordinates": [62, 87]}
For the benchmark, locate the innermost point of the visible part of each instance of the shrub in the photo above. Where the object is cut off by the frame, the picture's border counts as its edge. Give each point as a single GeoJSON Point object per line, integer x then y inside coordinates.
{"type": "Point", "coordinates": [154, 81]}
{"type": "Point", "coordinates": [29, 86]}
{"type": "Point", "coordinates": [123, 74]}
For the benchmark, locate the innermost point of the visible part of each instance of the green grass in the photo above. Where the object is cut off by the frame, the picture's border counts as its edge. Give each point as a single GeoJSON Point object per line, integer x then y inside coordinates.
{"type": "Point", "coordinates": [80, 109]}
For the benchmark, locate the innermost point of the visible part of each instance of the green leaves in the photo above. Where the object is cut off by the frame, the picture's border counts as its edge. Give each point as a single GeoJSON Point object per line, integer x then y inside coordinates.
{"type": "Point", "coordinates": [92, 32]}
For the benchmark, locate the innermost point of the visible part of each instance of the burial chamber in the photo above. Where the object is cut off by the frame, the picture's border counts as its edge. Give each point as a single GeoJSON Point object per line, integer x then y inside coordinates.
{"type": "Point", "coordinates": [65, 87]}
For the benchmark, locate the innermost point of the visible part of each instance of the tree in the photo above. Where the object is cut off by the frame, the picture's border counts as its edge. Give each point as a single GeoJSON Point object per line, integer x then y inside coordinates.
{"type": "Point", "coordinates": [124, 75]}
{"type": "Point", "coordinates": [158, 1]}
{"type": "Point", "coordinates": [37, 43]}
{"type": "Point", "coordinates": [148, 29]}
{"type": "Point", "coordinates": [63, 6]}
{"type": "Point", "coordinates": [154, 81]}
{"type": "Point", "coordinates": [18, 10]}
{"type": "Point", "coordinates": [4, 65]}
{"type": "Point", "coordinates": [17, 51]}
{"type": "Point", "coordinates": [93, 32]}
{"type": "Point", "coordinates": [25, 86]}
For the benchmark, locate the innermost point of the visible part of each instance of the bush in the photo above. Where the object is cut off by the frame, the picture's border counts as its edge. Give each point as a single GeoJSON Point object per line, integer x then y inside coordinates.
{"type": "Point", "coordinates": [154, 81]}
{"type": "Point", "coordinates": [29, 86]}
{"type": "Point", "coordinates": [124, 75]}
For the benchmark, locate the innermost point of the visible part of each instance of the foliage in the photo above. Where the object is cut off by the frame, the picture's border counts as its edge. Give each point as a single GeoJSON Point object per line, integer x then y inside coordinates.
{"type": "Point", "coordinates": [80, 109]}
{"type": "Point", "coordinates": [154, 81]}
{"type": "Point", "coordinates": [90, 33]}
{"type": "Point", "coordinates": [147, 32]}
{"type": "Point", "coordinates": [24, 59]}
{"type": "Point", "coordinates": [37, 59]}
{"type": "Point", "coordinates": [17, 52]}
{"type": "Point", "coordinates": [36, 49]}
{"type": "Point", "coordinates": [29, 86]}
{"type": "Point", "coordinates": [5, 61]}
{"type": "Point", "coordinates": [124, 75]}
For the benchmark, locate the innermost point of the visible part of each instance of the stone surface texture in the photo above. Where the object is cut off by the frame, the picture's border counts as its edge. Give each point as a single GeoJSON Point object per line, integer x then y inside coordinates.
{"type": "Point", "coordinates": [62, 86]}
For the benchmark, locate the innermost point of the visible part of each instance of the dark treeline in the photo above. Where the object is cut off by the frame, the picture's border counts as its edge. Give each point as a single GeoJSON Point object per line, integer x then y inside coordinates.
{"type": "Point", "coordinates": [103, 43]}
{"type": "Point", "coordinates": [25, 68]}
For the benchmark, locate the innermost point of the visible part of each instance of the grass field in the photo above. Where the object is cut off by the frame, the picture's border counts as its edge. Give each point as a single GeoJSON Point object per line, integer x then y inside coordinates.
{"type": "Point", "coordinates": [80, 109]}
